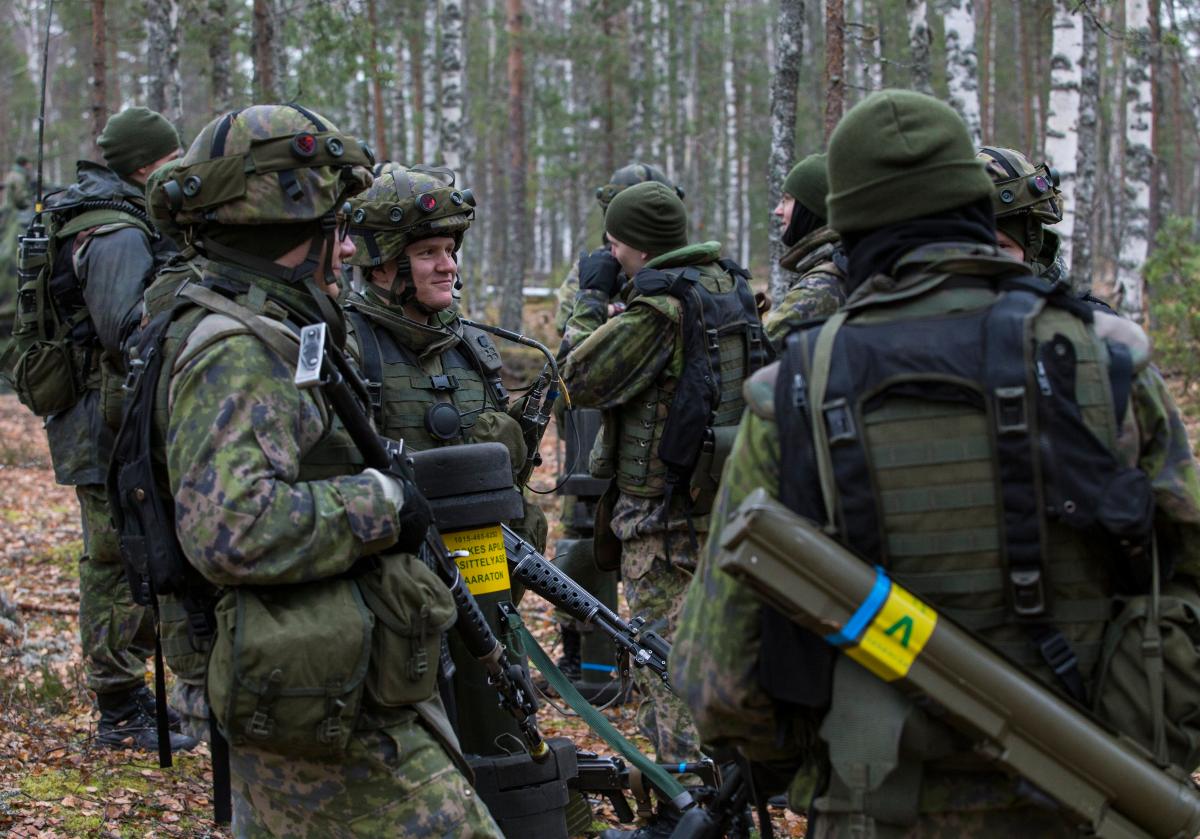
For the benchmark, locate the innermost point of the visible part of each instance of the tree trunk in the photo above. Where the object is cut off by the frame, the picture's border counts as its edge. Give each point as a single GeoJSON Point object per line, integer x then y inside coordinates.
{"type": "Point", "coordinates": [99, 85]}
{"type": "Point", "coordinates": [399, 103]}
{"type": "Point", "coordinates": [517, 240]}
{"type": "Point", "coordinates": [1084, 198]}
{"type": "Point", "coordinates": [1061, 121]}
{"type": "Point", "coordinates": [1139, 164]}
{"type": "Point", "coordinates": [918, 40]}
{"type": "Point", "coordinates": [452, 75]}
{"type": "Point", "coordinates": [835, 63]}
{"type": "Point", "coordinates": [789, 44]}
{"type": "Point", "coordinates": [1160, 192]}
{"type": "Point", "coordinates": [1028, 131]}
{"type": "Point", "coordinates": [264, 48]}
{"type": "Point", "coordinates": [962, 65]}
{"type": "Point", "coordinates": [986, 103]}
{"type": "Point", "coordinates": [378, 116]}
{"type": "Point", "coordinates": [219, 57]}
{"type": "Point", "coordinates": [163, 90]}
{"type": "Point", "coordinates": [608, 27]}
{"type": "Point", "coordinates": [416, 65]}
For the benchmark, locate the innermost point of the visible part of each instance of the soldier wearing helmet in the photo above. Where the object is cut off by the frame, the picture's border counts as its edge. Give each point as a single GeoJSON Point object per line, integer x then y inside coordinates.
{"type": "Point", "coordinates": [284, 529]}
{"type": "Point", "coordinates": [814, 254]}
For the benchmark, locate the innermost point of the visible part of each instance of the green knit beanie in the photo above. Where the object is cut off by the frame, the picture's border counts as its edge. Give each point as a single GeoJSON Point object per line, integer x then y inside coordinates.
{"type": "Point", "coordinates": [900, 155]}
{"type": "Point", "coordinates": [648, 216]}
{"type": "Point", "coordinates": [808, 183]}
{"type": "Point", "coordinates": [136, 137]}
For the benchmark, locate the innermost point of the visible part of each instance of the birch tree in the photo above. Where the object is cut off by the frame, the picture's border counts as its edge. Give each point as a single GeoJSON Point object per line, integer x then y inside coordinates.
{"type": "Point", "coordinates": [378, 114]}
{"type": "Point", "coordinates": [450, 143]}
{"type": "Point", "coordinates": [99, 82]}
{"type": "Point", "coordinates": [835, 63]}
{"type": "Point", "coordinates": [1082, 201]}
{"type": "Point", "coordinates": [1138, 160]}
{"type": "Point", "coordinates": [789, 44]}
{"type": "Point", "coordinates": [1062, 119]}
{"type": "Point", "coordinates": [264, 49]}
{"type": "Point", "coordinates": [163, 91]}
{"type": "Point", "coordinates": [962, 70]}
{"type": "Point", "coordinates": [918, 42]}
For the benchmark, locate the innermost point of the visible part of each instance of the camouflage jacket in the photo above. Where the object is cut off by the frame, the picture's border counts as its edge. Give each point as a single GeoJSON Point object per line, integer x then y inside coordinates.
{"type": "Point", "coordinates": [818, 288]}
{"type": "Point", "coordinates": [18, 192]}
{"type": "Point", "coordinates": [715, 660]}
{"type": "Point", "coordinates": [114, 265]}
{"type": "Point", "coordinates": [237, 434]}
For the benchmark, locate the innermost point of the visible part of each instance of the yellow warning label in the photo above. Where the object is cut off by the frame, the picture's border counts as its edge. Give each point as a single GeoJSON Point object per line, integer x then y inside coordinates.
{"type": "Point", "coordinates": [486, 569]}
{"type": "Point", "coordinates": [896, 637]}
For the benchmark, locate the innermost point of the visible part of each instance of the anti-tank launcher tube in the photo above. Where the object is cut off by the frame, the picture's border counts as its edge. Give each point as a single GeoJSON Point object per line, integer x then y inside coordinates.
{"type": "Point", "coordinates": [819, 584]}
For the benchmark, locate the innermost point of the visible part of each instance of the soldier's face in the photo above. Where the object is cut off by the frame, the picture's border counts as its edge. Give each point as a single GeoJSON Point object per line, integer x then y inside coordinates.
{"type": "Point", "coordinates": [433, 271]}
{"type": "Point", "coordinates": [783, 210]}
{"type": "Point", "coordinates": [632, 260]}
{"type": "Point", "coordinates": [1009, 246]}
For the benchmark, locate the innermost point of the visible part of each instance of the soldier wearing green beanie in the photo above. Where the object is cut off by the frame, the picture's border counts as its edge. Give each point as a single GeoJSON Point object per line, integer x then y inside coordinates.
{"type": "Point", "coordinates": [814, 251]}
{"type": "Point", "coordinates": [899, 425]}
{"type": "Point", "coordinates": [651, 369]}
{"type": "Point", "coordinates": [113, 252]}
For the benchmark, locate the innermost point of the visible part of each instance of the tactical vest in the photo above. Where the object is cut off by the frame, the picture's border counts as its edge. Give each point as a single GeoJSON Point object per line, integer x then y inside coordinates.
{"type": "Point", "coordinates": [969, 448]}
{"type": "Point", "coordinates": [403, 392]}
{"type": "Point", "coordinates": [661, 430]}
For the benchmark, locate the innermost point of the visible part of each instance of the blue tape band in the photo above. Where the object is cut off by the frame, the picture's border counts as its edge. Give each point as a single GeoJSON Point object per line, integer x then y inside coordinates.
{"type": "Point", "coordinates": [682, 767]}
{"type": "Point", "coordinates": [602, 668]}
{"type": "Point", "coordinates": [866, 613]}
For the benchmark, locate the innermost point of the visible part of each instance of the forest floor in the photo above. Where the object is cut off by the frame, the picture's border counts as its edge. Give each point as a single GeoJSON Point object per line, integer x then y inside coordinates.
{"type": "Point", "coordinates": [54, 780]}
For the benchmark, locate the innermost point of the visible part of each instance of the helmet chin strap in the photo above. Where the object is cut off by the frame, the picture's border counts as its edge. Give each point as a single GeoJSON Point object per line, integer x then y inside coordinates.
{"type": "Point", "coordinates": [403, 292]}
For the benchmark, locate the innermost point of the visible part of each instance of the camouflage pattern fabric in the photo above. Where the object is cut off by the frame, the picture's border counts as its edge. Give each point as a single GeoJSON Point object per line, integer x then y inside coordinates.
{"type": "Point", "coordinates": [718, 643]}
{"type": "Point", "coordinates": [117, 635]}
{"type": "Point", "coordinates": [565, 297]}
{"type": "Point", "coordinates": [395, 783]}
{"type": "Point", "coordinates": [18, 189]}
{"type": "Point", "coordinates": [654, 589]}
{"type": "Point", "coordinates": [817, 291]}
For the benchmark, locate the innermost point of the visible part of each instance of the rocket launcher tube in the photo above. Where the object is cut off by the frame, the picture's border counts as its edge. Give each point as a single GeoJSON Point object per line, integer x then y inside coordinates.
{"type": "Point", "coordinates": [817, 583]}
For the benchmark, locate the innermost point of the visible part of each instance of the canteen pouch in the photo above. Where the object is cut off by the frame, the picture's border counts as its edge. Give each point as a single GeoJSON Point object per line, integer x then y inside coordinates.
{"type": "Point", "coordinates": [1147, 684]}
{"type": "Point", "coordinates": [707, 475]}
{"type": "Point", "coordinates": [412, 609]}
{"type": "Point", "coordinates": [289, 666]}
{"type": "Point", "coordinates": [44, 378]}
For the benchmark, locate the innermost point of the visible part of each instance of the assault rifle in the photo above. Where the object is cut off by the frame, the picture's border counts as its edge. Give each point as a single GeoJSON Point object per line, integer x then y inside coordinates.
{"type": "Point", "coordinates": [1109, 783]}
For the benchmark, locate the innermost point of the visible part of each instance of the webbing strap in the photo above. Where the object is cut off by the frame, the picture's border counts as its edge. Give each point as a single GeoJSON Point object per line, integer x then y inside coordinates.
{"type": "Point", "coordinates": [372, 360]}
{"type": "Point", "coordinates": [286, 348]}
{"type": "Point", "coordinates": [822, 358]}
{"type": "Point", "coordinates": [667, 785]}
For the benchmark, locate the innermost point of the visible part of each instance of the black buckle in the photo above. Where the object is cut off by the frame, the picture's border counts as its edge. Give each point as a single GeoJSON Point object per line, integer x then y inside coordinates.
{"type": "Point", "coordinates": [1010, 410]}
{"type": "Point", "coordinates": [260, 725]}
{"type": "Point", "coordinates": [1029, 598]}
{"type": "Point", "coordinates": [443, 382]}
{"type": "Point", "coordinates": [1057, 653]}
{"type": "Point", "coordinates": [199, 625]}
{"type": "Point", "coordinates": [714, 339]}
{"type": "Point", "coordinates": [839, 422]}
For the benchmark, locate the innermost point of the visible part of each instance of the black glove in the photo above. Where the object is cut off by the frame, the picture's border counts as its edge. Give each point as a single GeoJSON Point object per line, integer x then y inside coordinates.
{"type": "Point", "coordinates": [600, 271]}
{"type": "Point", "coordinates": [416, 514]}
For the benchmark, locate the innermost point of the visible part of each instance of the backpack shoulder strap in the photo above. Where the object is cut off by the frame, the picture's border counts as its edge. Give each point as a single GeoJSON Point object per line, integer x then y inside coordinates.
{"type": "Point", "coordinates": [372, 359]}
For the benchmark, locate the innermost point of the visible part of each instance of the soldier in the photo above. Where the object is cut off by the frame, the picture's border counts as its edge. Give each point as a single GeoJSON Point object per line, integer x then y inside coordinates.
{"type": "Point", "coordinates": [18, 187]}
{"type": "Point", "coordinates": [669, 389]}
{"type": "Point", "coordinates": [814, 252]}
{"type": "Point", "coordinates": [333, 729]}
{"type": "Point", "coordinates": [587, 659]}
{"type": "Point", "coordinates": [954, 513]}
{"type": "Point", "coordinates": [106, 255]}
{"type": "Point", "coordinates": [15, 215]}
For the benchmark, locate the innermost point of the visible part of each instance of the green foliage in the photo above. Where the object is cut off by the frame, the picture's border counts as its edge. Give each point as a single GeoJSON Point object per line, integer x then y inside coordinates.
{"type": "Point", "coordinates": [1173, 281]}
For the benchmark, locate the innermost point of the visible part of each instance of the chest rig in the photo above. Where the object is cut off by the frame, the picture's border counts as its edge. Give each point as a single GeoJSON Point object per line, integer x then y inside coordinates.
{"type": "Point", "coordinates": [664, 429]}
{"type": "Point", "coordinates": [428, 409]}
{"type": "Point", "coordinates": [971, 453]}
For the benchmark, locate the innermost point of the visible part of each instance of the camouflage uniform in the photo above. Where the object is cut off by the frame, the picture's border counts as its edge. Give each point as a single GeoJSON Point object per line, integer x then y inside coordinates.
{"type": "Point", "coordinates": [717, 659]}
{"type": "Point", "coordinates": [243, 446]}
{"type": "Point", "coordinates": [817, 291]}
{"type": "Point", "coordinates": [18, 191]}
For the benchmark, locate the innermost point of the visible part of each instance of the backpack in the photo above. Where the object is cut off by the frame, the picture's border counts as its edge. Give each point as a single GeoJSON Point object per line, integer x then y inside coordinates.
{"type": "Point", "coordinates": [54, 352]}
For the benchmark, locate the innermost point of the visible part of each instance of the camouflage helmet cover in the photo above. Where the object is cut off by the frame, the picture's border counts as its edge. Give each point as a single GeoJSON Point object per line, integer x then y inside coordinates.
{"type": "Point", "coordinates": [266, 164]}
{"type": "Point", "coordinates": [634, 173]}
{"type": "Point", "coordinates": [1021, 187]}
{"type": "Point", "coordinates": [405, 205]}
{"type": "Point", "coordinates": [158, 212]}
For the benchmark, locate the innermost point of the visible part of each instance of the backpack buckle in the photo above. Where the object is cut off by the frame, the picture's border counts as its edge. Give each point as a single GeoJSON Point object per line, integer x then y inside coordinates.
{"type": "Point", "coordinates": [839, 422]}
{"type": "Point", "coordinates": [443, 382]}
{"type": "Point", "coordinates": [418, 665]}
{"type": "Point", "coordinates": [1029, 598]}
{"type": "Point", "coordinates": [1057, 653]}
{"type": "Point", "coordinates": [1010, 410]}
{"type": "Point", "coordinates": [260, 725]}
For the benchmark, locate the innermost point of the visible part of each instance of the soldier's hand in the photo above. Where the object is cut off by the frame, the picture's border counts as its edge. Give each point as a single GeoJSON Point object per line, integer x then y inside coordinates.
{"type": "Point", "coordinates": [411, 507]}
{"type": "Point", "coordinates": [600, 271]}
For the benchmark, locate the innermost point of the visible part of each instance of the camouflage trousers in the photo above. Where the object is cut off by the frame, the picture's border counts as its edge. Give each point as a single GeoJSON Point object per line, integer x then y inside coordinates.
{"type": "Point", "coordinates": [394, 783]}
{"type": "Point", "coordinates": [654, 590]}
{"type": "Point", "coordinates": [116, 634]}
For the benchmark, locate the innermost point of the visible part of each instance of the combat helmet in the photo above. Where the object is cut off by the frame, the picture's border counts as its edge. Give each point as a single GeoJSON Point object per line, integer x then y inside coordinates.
{"type": "Point", "coordinates": [1025, 196]}
{"type": "Point", "coordinates": [405, 205]}
{"type": "Point", "coordinates": [634, 173]}
{"type": "Point", "coordinates": [265, 165]}
{"type": "Point", "coordinates": [159, 214]}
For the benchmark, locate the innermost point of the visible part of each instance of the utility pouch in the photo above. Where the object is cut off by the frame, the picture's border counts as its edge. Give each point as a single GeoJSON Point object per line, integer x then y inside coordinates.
{"type": "Point", "coordinates": [44, 378]}
{"type": "Point", "coordinates": [412, 609]}
{"type": "Point", "coordinates": [1147, 683]}
{"type": "Point", "coordinates": [602, 461]}
{"type": "Point", "coordinates": [112, 393]}
{"type": "Point", "coordinates": [289, 666]}
{"type": "Point", "coordinates": [184, 650]}
{"type": "Point", "coordinates": [713, 452]}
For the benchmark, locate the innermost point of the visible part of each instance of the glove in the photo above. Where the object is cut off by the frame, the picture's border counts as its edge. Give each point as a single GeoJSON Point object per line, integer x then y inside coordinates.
{"type": "Point", "coordinates": [600, 271]}
{"type": "Point", "coordinates": [412, 509]}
